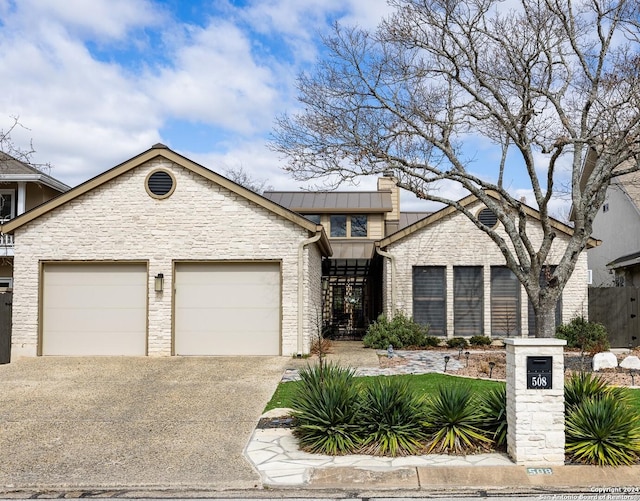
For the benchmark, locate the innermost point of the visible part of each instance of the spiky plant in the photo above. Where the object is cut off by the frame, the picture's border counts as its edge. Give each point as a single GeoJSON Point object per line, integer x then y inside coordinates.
{"type": "Point", "coordinates": [493, 413]}
{"type": "Point", "coordinates": [603, 431]}
{"type": "Point", "coordinates": [326, 408]}
{"type": "Point", "coordinates": [583, 386]}
{"type": "Point", "coordinates": [453, 421]}
{"type": "Point", "coordinates": [392, 419]}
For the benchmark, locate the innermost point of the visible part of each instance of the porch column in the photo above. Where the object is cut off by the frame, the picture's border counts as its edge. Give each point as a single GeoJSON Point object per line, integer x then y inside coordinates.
{"type": "Point", "coordinates": [22, 197]}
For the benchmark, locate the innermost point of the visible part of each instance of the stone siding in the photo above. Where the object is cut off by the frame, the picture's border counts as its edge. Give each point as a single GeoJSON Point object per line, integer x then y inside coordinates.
{"type": "Point", "coordinates": [119, 221]}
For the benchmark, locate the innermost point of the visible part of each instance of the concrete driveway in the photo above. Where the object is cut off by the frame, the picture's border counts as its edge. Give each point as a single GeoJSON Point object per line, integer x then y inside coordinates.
{"type": "Point", "coordinates": [132, 422]}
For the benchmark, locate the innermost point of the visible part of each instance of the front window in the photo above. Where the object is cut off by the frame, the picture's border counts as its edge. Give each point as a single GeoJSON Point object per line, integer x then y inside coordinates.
{"type": "Point", "coordinates": [505, 302]}
{"type": "Point", "coordinates": [343, 226]}
{"type": "Point", "coordinates": [338, 226]}
{"type": "Point", "coordinates": [468, 300]}
{"type": "Point", "coordinates": [6, 205]}
{"type": "Point", "coordinates": [359, 226]}
{"type": "Point", "coordinates": [429, 298]}
{"type": "Point", "coordinates": [314, 218]}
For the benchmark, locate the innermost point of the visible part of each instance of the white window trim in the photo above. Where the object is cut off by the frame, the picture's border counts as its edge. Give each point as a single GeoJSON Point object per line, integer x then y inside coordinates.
{"type": "Point", "coordinates": [8, 281]}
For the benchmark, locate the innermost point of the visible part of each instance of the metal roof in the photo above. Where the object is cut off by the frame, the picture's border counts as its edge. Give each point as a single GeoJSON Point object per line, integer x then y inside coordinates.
{"type": "Point", "coordinates": [332, 201]}
{"type": "Point", "coordinates": [408, 218]}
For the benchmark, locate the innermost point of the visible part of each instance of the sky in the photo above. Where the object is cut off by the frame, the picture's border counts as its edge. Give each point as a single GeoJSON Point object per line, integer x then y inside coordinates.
{"type": "Point", "coordinates": [95, 82]}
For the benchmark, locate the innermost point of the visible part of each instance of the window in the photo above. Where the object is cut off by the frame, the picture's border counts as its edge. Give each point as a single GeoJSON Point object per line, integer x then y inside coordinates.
{"type": "Point", "coordinates": [353, 226]}
{"type": "Point", "coordinates": [505, 302]}
{"type": "Point", "coordinates": [468, 300]}
{"type": "Point", "coordinates": [314, 218]}
{"type": "Point", "coordinates": [7, 206]}
{"type": "Point", "coordinates": [488, 218]}
{"type": "Point", "coordinates": [358, 226]}
{"type": "Point", "coordinates": [429, 298]}
{"type": "Point", "coordinates": [532, 314]}
{"type": "Point", "coordinates": [160, 184]}
{"type": "Point", "coordinates": [338, 226]}
{"type": "Point", "coordinates": [6, 282]}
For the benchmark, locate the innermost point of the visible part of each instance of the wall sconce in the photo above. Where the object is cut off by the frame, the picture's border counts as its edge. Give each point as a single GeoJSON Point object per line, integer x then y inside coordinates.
{"type": "Point", "coordinates": [159, 282]}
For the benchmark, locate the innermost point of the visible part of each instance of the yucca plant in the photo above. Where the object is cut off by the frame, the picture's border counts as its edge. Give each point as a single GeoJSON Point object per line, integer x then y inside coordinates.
{"type": "Point", "coordinates": [326, 408]}
{"type": "Point", "coordinates": [493, 414]}
{"type": "Point", "coordinates": [453, 420]}
{"type": "Point", "coordinates": [583, 386]}
{"type": "Point", "coordinates": [603, 431]}
{"type": "Point", "coordinates": [391, 420]}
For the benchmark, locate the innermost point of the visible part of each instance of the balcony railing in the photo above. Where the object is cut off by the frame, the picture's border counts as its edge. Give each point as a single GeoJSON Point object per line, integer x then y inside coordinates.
{"type": "Point", "coordinates": [6, 240]}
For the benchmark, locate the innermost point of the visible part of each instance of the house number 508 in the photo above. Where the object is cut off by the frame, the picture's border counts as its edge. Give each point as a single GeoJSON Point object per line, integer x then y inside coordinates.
{"type": "Point", "coordinates": [539, 381]}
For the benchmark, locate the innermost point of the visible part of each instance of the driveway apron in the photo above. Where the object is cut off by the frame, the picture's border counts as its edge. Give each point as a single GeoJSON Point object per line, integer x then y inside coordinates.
{"type": "Point", "coordinates": [157, 422]}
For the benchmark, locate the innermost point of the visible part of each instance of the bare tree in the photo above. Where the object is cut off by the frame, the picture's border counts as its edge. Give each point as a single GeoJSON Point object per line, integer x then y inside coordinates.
{"type": "Point", "coordinates": [240, 176]}
{"type": "Point", "coordinates": [556, 80]}
{"type": "Point", "coordinates": [24, 155]}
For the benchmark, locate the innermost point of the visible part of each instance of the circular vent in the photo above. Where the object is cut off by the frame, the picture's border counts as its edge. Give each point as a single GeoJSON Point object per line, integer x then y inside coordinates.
{"type": "Point", "coordinates": [488, 218]}
{"type": "Point", "coordinates": [160, 184]}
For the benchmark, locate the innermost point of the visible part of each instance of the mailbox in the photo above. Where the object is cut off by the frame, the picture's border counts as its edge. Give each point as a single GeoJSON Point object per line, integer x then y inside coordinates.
{"type": "Point", "coordinates": [539, 373]}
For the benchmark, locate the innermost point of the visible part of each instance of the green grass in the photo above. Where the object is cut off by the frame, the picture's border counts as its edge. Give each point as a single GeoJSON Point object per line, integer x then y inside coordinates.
{"type": "Point", "coordinates": [422, 383]}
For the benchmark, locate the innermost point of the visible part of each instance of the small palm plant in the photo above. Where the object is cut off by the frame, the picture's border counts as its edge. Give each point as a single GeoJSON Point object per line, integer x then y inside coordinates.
{"type": "Point", "coordinates": [392, 419]}
{"type": "Point", "coordinates": [326, 408]}
{"type": "Point", "coordinates": [453, 421]}
{"type": "Point", "coordinates": [493, 411]}
{"type": "Point", "coordinates": [604, 431]}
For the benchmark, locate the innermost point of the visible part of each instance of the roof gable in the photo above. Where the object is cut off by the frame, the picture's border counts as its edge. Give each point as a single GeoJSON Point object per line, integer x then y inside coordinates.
{"type": "Point", "coordinates": [160, 150]}
{"type": "Point", "coordinates": [435, 217]}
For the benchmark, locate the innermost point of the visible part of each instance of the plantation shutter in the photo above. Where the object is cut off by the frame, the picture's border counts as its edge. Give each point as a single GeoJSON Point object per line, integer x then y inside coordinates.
{"type": "Point", "coordinates": [505, 302]}
{"type": "Point", "coordinates": [532, 314]}
{"type": "Point", "coordinates": [468, 300]}
{"type": "Point", "coordinates": [429, 298]}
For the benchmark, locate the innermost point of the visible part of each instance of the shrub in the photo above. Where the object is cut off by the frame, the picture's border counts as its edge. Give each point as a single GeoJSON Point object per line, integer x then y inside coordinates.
{"type": "Point", "coordinates": [493, 413]}
{"type": "Point", "coordinates": [392, 419]}
{"type": "Point", "coordinates": [457, 343]}
{"type": "Point", "coordinates": [584, 385]}
{"type": "Point", "coordinates": [479, 341]}
{"type": "Point", "coordinates": [401, 331]}
{"type": "Point", "coordinates": [432, 341]}
{"type": "Point", "coordinates": [589, 337]}
{"type": "Point", "coordinates": [326, 407]}
{"type": "Point", "coordinates": [453, 420]}
{"type": "Point", "coordinates": [603, 431]}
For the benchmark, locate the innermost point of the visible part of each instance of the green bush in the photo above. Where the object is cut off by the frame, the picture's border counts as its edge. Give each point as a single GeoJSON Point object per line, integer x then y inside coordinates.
{"type": "Point", "coordinates": [400, 332]}
{"type": "Point", "coordinates": [589, 337]}
{"type": "Point", "coordinates": [493, 412]}
{"type": "Point", "coordinates": [479, 341]}
{"type": "Point", "coordinates": [457, 343]}
{"type": "Point", "coordinates": [432, 341]}
{"type": "Point", "coordinates": [326, 408]}
{"type": "Point", "coordinates": [392, 419]}
{"type": "Point", "coordinates": [603, 431]}
{"type": "Point", "coordinates": [454, 421]}
{"type": "Point", "coordinates": [584, 385]}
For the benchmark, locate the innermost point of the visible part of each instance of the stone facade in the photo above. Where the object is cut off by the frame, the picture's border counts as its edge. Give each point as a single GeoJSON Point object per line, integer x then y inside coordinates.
{"type": "Point", "coordinates": [201, 220]}
{"type": "Point", "coordinates": [455, 241]}
{"type": "Point", "coordinates": [535, 417]}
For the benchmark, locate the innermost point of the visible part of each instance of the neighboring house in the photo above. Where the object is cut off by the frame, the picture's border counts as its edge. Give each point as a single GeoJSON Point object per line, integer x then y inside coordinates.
{"type": "Point", "coordinates": [438, 268]}
{"type": "Point", "coordinates": [616, 262]}
{"type": "Point", "coordinates": [22, 188]}
{"type": "Point", "coordinates": [161, 256]}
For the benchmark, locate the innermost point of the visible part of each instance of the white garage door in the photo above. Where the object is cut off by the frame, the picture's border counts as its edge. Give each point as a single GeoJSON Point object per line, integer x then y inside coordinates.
{"type": "Point", "coordinates": [227, 309]}
{"type": "Point", "coordinates": [94, 309]}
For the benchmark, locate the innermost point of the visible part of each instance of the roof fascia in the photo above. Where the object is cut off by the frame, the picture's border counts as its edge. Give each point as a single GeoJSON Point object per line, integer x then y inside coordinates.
{"type": "Point", "coordinates": [35, 178]}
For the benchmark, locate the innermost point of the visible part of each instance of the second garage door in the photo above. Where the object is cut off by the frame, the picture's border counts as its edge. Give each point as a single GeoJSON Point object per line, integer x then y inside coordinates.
{"type": "Point", "coordinates": [227, 309]}
{"type": "Point", "coordinates": [94, 309]}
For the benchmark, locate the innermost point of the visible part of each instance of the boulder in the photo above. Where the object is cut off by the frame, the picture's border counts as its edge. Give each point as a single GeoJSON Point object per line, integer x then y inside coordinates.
{"type": "Point", "coordinates": [631, 362]}
{"type": "Point", "coordinates": [604, 360]}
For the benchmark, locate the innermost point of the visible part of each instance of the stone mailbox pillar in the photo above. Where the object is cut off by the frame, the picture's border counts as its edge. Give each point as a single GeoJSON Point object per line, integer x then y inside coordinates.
{"type": "Point", "coordinates": [535, 401]}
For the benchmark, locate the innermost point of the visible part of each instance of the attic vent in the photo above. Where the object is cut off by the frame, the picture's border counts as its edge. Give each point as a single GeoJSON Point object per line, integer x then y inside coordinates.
{"type": "Point", "coordinates": [160, 184]}
{"type": "Point", "coordinates": [488, 218]}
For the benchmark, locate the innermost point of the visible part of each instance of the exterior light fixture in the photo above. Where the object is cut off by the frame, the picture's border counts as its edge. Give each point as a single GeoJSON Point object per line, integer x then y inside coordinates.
{"type": "Point", "coordinates": [159, 282]}
{"type": "Point", "coordinates": [491, 366]}
{"type": "Point", "coordinates": [446, 361]}
{"type": "Point", "coordinates": [632, 373]}
{"type": "Point", "coordinates": [466, 354]}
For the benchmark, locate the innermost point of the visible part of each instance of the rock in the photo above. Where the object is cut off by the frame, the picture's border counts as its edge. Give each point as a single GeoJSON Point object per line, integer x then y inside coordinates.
{"type": "Point", "coordinates": [604, 360]}
{"type": "Point", "coordinates": [631, 362]}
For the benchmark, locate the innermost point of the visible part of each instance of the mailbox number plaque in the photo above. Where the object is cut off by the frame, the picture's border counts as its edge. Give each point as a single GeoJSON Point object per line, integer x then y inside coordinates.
{"type": "Point", "coordinates": [539, 373]}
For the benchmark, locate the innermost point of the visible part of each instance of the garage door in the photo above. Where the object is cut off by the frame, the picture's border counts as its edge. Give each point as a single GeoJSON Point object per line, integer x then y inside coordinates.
{"type": "Point", "coordinates": [94, 309]}
{"type": "Point", "coordinates": [227, 309]}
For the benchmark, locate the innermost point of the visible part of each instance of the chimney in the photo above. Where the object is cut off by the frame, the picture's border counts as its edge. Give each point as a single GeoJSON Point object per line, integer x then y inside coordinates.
{"type": "Point", "coordinates": [391, 219]}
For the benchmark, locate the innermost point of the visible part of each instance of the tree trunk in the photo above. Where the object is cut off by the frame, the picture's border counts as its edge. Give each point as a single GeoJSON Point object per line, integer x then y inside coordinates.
{"type": "Point", "coordinates": [545, 319]}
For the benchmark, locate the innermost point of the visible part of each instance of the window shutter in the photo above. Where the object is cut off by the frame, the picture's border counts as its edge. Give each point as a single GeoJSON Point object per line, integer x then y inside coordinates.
{"type": "Point", "coordinates": [505, 302]}
{"type": "Point", "coordinates": [468, 300]}
{"type": "Point", "coordinates": [429, 298]}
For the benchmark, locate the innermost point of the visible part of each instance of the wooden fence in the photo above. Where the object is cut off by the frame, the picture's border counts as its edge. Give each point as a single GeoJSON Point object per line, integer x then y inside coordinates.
{"type": "Point", "coordinates": [617, 309]}
{"type": "Point", "coordinates": [5, 326]}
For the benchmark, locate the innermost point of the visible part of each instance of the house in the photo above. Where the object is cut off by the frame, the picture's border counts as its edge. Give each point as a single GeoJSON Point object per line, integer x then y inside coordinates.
{"type": "Point", "coordinates": [161, 256]}
{"type": "Point", "coordinates": [22, 187]}
{"type": "Point", "coordinates": [435, 267]}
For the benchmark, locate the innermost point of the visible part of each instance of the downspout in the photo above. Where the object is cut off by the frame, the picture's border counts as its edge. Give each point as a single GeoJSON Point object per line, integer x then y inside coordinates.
{"type": "Point", "coordinates": [301, 247]}
{"type": "Point", "coordinates": [391, 258]}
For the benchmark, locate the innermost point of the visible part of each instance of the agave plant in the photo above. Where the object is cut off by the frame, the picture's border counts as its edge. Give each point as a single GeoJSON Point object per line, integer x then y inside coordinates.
{"type": "Point", "coordinates": [584, 385]}
{"type": "Point", "coordinates": [392, 419]}
{"type": "Point", "coordinates": [604, 431]}
{"type": "Point", "coordinates": [493, 412]}
{"type": "Point", "coordinates": [326, 410]}
{"type": "Point", "coordinates": [454, 421]}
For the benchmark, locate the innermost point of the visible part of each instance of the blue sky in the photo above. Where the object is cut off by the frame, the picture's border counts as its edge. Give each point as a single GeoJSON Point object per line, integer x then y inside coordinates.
{"type": "Point", "coordinates": [99, 81]}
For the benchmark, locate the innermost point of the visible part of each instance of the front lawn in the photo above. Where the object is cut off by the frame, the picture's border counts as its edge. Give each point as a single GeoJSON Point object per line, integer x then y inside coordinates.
{"type": "Point", "coordinates": [423, 383]}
